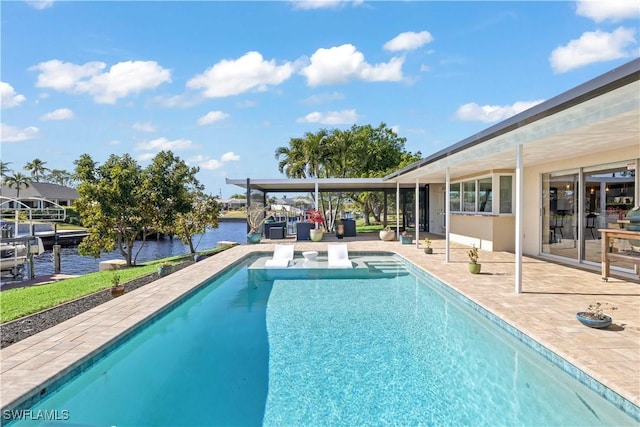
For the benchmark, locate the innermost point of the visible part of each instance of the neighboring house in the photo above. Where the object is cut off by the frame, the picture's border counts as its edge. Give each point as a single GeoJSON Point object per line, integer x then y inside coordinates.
{"type": "Point", "coordinates": [232, 204]}
{"type": "Point", "coordinates": [31, 195]}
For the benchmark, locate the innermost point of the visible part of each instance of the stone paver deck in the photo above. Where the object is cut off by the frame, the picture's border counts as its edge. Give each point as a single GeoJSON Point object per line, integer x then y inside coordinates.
{"type": "Point", "coordinates": [545, 311]}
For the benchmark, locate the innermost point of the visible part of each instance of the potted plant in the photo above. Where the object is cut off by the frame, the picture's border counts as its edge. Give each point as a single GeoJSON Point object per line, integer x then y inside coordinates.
{"type": "Point", "coordinates": [387, 234]}
{"type": "Point", "coordinates": [315, 216]}
{"type": "Point", "coordinates": [116, 288]}
{"type": "Point", "coordinates": [427, 246]}
{"type": "Point", "coordinates": [474, 267]}
{"type": "Point", "coordinates": [164, 269]}
{"type": "Point", "coordinates": [594, 316]}
{"type": "Point", "coordinates": [406, 239]}
{"type": "Point", "coordinates": [255, 219]}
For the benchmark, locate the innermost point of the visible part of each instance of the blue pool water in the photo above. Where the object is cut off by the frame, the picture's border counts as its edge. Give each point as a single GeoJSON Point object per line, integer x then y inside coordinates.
{"type": "Point", "coordinates": [388, 349]}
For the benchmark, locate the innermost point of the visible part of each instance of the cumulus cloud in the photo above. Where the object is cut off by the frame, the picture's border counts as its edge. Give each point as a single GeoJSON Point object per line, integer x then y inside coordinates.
{"type": "Point", "coordinates": [408, 41]}
{"type": "Point", "coordinates": [212, 117]}
{"type": "Point", "coordinates": [341, 64]}
{"type": "Point", "coordinates": [8, 96]}
{"type": "Point", "coordinates": [106, 87]}
{"type": "Point", "coordinates": [59, 114]}
{"type": "Point", "coordinates": [232, 77]}
{"type": "Point", "coordinates": [229, 157]}
{"type": "Point", "coordinates": [163, 144]}
{"type": "Point", "coordinates": [595, 46]}
{"type": "Point", "coordinates": [40, 4]}
{"type": "Point", "coordinates": [144, 127]}
{"type": "Point", "coordinates": [322, 98]}
{"type": "Point", "coordinates": [323, 4]}
{"type": "Point", "coordinates": [209, 163]}
{"type": "Point", "coordinates": [608, 10]}
{"type": "Point", "coordinates": [344, 117]}
{"type": "Point", "coordinates": [14, 134]}
{"type": "Point", "coordinates": [492, 113]}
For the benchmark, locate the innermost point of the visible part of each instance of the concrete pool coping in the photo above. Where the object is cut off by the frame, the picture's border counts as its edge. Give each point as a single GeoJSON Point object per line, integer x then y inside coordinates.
{"type": "Point", "coordinates": [544, 311]}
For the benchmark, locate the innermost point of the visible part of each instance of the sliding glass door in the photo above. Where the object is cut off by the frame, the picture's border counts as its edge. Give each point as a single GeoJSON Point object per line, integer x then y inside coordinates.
{"type": "Point", "coordinates": [559, 214]}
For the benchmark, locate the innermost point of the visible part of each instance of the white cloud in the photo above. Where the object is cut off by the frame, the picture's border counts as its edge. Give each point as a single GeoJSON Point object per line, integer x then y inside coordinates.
{"type": "Point", "coordinates": [322, 98]}
{"type": "Point", "coordinates": [408, 41]}
{"type": "Point", "coordinates": [595, 46]}
{"type": "Point", "coordinates": [13, 134]}
{"type": "Point", "coordinates": [161, 144]}
{"type": "Point", "coordinates": [233, 77]}
{"type": "Point", "coordinates": [182, 101]}
{"type": "Point", "coordinates": [40, 4]}
{"type": "Point", "coordinates": [208, 163]}
{"type": "Point", "coordinates": [8, 96]}
{"type": "Point", "coordinates": [492, 113]}
{"type": "Point", "coordinates": [246, 104]}
{"type": "Point", "coordinates": [229, 157]}
{"type": "Point", "coordinates": [212, 117]}
{"type": "Point", "coordinates": [323, 4]}
{"type": "Point", "coordinates": [144, 127]}
{"type": "Point", "coordinates": [121, 80]}
{"type": "Point", "coordinates": [59, 114]}
{"type": "Point", "coordinates": [340, 64]}
{"type": "Point", "coordinates": [344, 117]}
{"type": "Point", "coordinates": [424, 68]}
{"type": "Point", "coordinates": [608, 10]}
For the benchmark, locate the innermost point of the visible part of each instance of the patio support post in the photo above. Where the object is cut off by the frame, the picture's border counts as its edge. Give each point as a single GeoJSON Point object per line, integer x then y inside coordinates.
{"type": "Point", "coordinates": [317, 191]}
{"type": "Point", "coordinates": [417, 217]}
{"type": "Point", "coordinates": [398, 210]}
{"type": "Point", "coordinates": [248, 204]}
{"type": "Point", "coordinates": [447, 213]}
{"type": "Point", "coordinates": [518, 271]}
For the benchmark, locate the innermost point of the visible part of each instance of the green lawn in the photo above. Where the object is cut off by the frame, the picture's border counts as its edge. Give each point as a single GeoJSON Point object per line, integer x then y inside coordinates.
{"type": "Point", "coordinates": [19, 302]}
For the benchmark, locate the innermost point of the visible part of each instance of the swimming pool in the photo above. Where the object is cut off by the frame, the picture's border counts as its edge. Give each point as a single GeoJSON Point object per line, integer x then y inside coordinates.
{"type": "Point", "coordinates": [386, 348]}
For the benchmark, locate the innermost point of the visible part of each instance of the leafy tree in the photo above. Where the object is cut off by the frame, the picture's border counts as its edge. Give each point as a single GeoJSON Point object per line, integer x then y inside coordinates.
{"type": "Point", "coordinates": [60, 177]}
{"type": "Point", "coordinates": [111, 204]}
{"type": "Point", "coordinates": [18, 180]}
{"type": "Point", "coordinates": [361, 151]}
{"type": "Point", "coordinates": [204, 214]}
{"type": "Point", "coordinates": [120, 202]}
{"type": "Point", "coordinates": [37, 169]}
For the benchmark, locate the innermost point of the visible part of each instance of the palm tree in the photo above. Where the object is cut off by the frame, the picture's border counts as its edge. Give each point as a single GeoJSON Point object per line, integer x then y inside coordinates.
{"type": "Point", "coordinates": [4, 170]}
{"type": "Point", "coordinates": [18, 180]}
{"type": "Point", "coordinates": [59, 176]}
{"type": "Point", "coordinates": [37, 169]}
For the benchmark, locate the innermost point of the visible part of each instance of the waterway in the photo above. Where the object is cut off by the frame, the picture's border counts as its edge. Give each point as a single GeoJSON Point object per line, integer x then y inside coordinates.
{"type": "Point", "coordinates": [74, 263]}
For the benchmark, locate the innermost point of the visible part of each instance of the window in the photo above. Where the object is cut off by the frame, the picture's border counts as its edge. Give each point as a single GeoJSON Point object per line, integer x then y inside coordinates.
{"type": "Point", "coordinates": [506, 194]}
{"type": "Point", "coordinates": [477, 195]}
{"type": "Point", "coordinates": [469, 196]}
{"type": "Point", "coordinates": [454, 195]}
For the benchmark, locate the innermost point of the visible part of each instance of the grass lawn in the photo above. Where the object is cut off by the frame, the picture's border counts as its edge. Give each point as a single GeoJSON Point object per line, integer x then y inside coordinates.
{"type": "Point", "coordinates": [19, 302]}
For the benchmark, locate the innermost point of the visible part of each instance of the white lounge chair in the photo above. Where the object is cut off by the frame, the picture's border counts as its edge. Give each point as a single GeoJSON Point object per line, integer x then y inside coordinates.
{"type": "Point", "coordinates": [282, 257]}
{"type": "Point", "coordinates": [338, 256]}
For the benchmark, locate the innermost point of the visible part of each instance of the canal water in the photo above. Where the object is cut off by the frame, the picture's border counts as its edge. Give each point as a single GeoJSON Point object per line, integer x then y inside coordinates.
{"type": "Point", "coordinates": [76, 264]}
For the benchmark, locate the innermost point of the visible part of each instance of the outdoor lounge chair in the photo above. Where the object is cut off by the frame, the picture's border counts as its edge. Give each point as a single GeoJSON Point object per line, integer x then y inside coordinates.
{"type": "Point", "coordinates": [282, 257]}
{"type": "Point", "coordinates": [338, 256]}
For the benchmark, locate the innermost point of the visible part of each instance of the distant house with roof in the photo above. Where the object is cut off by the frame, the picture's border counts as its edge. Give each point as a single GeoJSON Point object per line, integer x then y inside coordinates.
{"type": "Point", "coordinates": [34, 194]}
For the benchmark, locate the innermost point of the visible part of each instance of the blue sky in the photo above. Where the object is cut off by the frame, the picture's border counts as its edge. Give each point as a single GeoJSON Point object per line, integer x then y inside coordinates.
{"type": "Point", "coordinates": [223, 84]}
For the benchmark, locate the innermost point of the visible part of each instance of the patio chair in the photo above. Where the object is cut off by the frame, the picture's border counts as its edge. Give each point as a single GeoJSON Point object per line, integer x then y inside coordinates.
{"type": "Point", "coordinates": [338, 256]}
{"type": "Point", "coordinates": [282, 257]}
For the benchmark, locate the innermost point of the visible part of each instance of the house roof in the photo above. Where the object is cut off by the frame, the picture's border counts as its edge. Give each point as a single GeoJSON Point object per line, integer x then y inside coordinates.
{"type": "Point", "coordinates": [45, 190]}
{"type": "Point", "coordinates": [324, 184]}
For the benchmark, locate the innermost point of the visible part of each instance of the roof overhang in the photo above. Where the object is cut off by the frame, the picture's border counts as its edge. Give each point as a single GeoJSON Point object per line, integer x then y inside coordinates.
{"type": "Point", "coordinates": [600, 115]}
{"type": "Point", "coordinates": [324, 185]}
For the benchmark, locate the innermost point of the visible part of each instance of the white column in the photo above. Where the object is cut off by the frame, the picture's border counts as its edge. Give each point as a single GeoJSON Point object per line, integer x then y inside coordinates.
{"type": "Point", "coordinates": [398, 210]}
{"type": "Point", "coordinates": [417, 220]}
{"type": "Point", "coordinates": [317, 193]}
{"type": "Point", "coordinates": [447, 213]}
{"type": "Point", "coordinates": [518, 271]}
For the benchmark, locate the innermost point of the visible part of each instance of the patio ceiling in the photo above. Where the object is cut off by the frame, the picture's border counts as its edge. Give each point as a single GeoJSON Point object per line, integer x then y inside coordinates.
{"type": "Point", "coordinates": [324, 184]}
{"type": "Point", "coordinates": [598, 116]}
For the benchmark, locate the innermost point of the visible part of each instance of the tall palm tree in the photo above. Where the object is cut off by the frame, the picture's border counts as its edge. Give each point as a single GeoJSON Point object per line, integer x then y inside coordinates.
{"type": "Point", "coordinates": [37, 169]}
{"type": "Point", "coordinates": [4, 170]}
{"type": "Point", "coordinates": [60, 177]}
{"type": "Point", "coordinates": [18, 180]}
